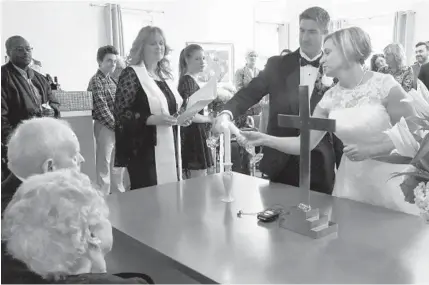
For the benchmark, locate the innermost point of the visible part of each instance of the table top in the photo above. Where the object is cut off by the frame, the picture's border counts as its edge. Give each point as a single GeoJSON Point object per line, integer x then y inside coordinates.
{"type": "Point", "coordinates": [188, 223]}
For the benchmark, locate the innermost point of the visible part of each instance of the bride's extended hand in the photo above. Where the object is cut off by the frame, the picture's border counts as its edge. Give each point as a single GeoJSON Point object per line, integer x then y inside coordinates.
{"type": "Point", "coordinates": [254, 138]}
{"type": "Point", "coordinates": [356, 153]}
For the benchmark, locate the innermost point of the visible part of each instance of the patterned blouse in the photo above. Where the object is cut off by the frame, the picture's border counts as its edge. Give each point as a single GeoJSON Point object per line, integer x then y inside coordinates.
{"type": "Point", "coordinates": [134, 138]}
{"type": "Point", "coordinates": [404, 76]}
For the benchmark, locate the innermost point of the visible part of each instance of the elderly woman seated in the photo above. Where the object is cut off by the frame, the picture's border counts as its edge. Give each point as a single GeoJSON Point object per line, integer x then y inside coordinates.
{"type": "Point", "coordinates": [57, 225]}
{"type": "Point", "coordinates": [37, 146]}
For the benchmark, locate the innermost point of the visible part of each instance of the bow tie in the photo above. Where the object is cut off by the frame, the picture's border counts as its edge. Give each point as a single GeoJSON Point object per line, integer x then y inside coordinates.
{"type": "Point", "coordinates": [314, 63]}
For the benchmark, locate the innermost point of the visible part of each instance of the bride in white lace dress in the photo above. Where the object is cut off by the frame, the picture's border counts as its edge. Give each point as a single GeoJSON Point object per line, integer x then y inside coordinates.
{"type": "Point", "coordinates": [364, 105]}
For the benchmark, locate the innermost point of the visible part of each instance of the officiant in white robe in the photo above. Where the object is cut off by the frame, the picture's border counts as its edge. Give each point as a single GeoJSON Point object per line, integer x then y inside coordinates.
{"type": "Point", "coordinates": [145, 104]}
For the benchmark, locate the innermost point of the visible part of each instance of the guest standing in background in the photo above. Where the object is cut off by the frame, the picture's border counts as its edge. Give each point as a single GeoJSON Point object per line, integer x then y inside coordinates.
{"type": "Point", "coordinates": [103, 88]}
{"type": "Point", "coordinates": [422, 57]}
{"type": "Point", "coordinates": [395, 59]}
{"type": "Point", "coordinates": [378, 62]}
{"type": "Point", "coordinates": [196, 155]}
{"type": "Point", "coordinates": [424, 74]}
{"type": "Point", "coordinates": [243, 76]}
{"type": "Point", "coordinates": [25, 93]}
{"type": "Point", "coordinates": [120, 65]}
{"type": "Point", "coordinates": [145, 104]}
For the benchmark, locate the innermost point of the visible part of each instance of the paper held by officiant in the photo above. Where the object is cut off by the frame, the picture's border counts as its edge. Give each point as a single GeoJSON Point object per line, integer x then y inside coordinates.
{"type": "Point", "coordinates": [199, 100]}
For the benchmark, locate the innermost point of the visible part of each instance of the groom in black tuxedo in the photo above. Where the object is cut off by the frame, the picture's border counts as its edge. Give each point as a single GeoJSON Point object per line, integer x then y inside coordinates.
{"type": "Point", "coordinates": [281, 78]}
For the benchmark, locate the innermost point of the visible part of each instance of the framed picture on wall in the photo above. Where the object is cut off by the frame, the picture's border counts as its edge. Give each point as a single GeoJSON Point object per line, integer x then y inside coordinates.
{"type": "Point", "coordinates": [220, 59]}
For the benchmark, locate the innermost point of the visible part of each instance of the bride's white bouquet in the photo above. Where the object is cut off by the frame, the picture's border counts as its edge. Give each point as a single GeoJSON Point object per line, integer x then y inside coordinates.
{"type": "Point", "coordinates": [413, 148]}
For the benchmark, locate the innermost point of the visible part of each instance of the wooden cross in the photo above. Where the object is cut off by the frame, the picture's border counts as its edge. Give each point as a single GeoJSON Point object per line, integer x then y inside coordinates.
{"type": "Point", "coordinates": [305, 123]}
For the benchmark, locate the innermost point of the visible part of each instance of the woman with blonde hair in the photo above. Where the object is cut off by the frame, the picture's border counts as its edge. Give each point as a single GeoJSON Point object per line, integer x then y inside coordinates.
{"type": "Point", "coordinates": [56, 230]}
{"type": "Point", "coordinates": [146, 104]}
{"type": "Point", "coordinates": [196, 155]}
{"type": "Point", "coordinates": [364, 104]}
{"type": "Point", "coordinates": [395, 59]}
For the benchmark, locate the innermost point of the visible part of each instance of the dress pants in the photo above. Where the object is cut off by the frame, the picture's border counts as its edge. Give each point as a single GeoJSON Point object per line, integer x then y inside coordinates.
{"type": "Point", "coordinates": [109, 178]}
{"type": "Point", "coordinates": [198, 173]}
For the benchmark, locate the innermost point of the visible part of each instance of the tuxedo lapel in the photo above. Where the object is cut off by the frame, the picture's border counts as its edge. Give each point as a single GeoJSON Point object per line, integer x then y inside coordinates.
{"type": "Point", "coordinates": [291, 71]}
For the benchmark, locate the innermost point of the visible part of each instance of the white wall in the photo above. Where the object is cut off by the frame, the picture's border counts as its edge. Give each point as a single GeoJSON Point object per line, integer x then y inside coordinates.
{"type": "Point", "coordinates": [204, 21]}
{"type": "Point", "coordinates": [346, 9]}
{"type": "Point", "coordinates": [65, 44]}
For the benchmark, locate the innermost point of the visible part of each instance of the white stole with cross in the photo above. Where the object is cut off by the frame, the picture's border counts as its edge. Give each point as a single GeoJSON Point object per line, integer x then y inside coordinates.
{"type": "Point", "coordinates": [165, 156]}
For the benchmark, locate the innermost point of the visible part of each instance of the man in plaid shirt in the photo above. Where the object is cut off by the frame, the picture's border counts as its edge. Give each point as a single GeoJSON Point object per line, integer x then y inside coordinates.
{"type": "Point", "coordinates": [103, 89]}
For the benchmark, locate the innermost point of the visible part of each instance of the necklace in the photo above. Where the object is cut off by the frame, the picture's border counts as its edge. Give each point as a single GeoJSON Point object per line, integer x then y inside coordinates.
{"type": "Point", "coordinates": [359, 83]}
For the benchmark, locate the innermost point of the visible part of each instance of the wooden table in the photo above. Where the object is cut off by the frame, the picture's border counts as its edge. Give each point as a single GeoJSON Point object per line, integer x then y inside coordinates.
{"type": "Point", "coordinates": [185, 226]}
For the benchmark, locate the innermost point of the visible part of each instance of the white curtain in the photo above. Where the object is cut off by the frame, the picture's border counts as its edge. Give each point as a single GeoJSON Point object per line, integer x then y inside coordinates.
{"type": "Point", "coordinates": [115, 30]}
{"type": "Point", "coordinates": [266, 42]}
{"type": "Point", "coordinates": [336, 25]}
{"type": "Point", "coordinates": [283, 34]}
{"type": "Point", "coordinates": [133, 22]}
{"type": "Point", "coordinates": [403, 32]}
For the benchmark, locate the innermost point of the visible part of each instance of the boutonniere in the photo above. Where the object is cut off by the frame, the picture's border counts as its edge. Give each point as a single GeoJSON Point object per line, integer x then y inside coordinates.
{"type": "Point", "coordinates": [327, 81]}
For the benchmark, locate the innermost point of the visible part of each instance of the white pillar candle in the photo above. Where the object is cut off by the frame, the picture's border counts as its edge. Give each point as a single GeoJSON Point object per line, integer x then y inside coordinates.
{"type": "Point", "coordinates": [221, 153]}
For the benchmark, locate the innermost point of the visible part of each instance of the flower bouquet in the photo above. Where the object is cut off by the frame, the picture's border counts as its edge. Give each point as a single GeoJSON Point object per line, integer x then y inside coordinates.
{"type": "Point", "coordinates": [412, 148]}
{"type": "Point", "coordinates": [224, 94]}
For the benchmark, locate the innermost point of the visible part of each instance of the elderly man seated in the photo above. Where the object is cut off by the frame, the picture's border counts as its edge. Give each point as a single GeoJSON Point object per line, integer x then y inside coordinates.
{"type": "Point", "coordinates": [57, 226]}
{"type": "Point", "coordinates": [37, 146]}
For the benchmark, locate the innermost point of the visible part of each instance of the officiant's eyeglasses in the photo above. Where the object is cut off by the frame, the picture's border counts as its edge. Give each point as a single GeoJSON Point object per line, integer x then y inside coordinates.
{"type": "Point", "coordinates": [22, 49]}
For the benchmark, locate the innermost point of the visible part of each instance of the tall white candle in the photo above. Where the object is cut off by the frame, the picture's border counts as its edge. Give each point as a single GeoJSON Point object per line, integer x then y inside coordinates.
{"type": "Point", "coordinates": [227, 133]}
{"type": "Point", "coordinates": [221, 153]}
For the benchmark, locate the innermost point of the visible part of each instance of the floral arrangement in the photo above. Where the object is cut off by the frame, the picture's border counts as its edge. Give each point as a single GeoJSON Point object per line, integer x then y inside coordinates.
{"type": "Point", "coordinates": [224, 94]}
{"type": "Point", "coordinates": [413, 148]}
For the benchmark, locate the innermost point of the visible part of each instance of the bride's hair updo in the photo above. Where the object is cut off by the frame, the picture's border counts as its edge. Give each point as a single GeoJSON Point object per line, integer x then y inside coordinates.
{"type": "Point", "coordinates": [354, 43]}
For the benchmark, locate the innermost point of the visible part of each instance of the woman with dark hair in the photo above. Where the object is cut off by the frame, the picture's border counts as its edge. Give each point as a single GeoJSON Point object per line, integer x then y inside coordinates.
{"type": "Point", "coordinates": [196, 156]}
{"type": "Point", "coordinates": [145, 104]}
{"type": "Point", "coordinates": [377, 62]}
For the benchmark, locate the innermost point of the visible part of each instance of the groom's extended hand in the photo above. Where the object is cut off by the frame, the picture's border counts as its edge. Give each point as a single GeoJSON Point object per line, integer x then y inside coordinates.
{"type": "Point", "coordinates": [219, 122]}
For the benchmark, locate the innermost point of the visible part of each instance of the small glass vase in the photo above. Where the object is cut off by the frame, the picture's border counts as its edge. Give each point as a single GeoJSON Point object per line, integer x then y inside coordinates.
{"type": "Point", "coordinates": [227, 178]}
{"type": "Point", "coordinates": [425, 217]}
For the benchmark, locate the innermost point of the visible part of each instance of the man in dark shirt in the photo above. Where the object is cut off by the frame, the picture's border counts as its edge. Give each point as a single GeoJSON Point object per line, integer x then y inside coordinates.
{"type": "Point", "coordinates": [25, 93]}
{"type": "Point", "coordinates": [424, 74]}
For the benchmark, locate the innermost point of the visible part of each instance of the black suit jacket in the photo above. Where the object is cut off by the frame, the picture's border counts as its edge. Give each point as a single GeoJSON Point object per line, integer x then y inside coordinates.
{"type": "Point", "coordinates": [17, 102]}
{"type": "Point", "coordinates": [424, 74]}
{"type": "Point", "coordinates": [281, 79]}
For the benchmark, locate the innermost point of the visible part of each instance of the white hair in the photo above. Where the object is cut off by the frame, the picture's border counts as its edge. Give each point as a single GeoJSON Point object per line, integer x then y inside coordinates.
{"type": "Point", "coordinates": [47, 223]}
{"type": "Point", "coordinates": [36, 140]}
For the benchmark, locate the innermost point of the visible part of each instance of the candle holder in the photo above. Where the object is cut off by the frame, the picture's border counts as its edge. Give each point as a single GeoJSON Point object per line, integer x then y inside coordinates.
{"type": "Point", "coordinates": [227, 183]}
{"type": "Point", "coordinates": [254, 158]}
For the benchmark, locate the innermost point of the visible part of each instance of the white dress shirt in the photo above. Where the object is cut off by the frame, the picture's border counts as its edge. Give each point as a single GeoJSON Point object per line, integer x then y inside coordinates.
{"type": "Point", "coordinates": [308, 76]}
{"type": "Point", "coordinates": [308, 73]}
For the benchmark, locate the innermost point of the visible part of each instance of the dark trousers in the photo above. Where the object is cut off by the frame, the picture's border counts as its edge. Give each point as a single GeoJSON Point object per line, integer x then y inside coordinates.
{"type": "Point", "coordinates": [322, 173]}
{"type": "Point", "coordinates": [142, 174]}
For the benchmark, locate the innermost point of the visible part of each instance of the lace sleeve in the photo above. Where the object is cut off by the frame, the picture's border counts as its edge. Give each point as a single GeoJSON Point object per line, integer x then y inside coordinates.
{"type": "Point", "coordinates": [327, 100]}
{"type": "Point", "coordinates": [387, 84]}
